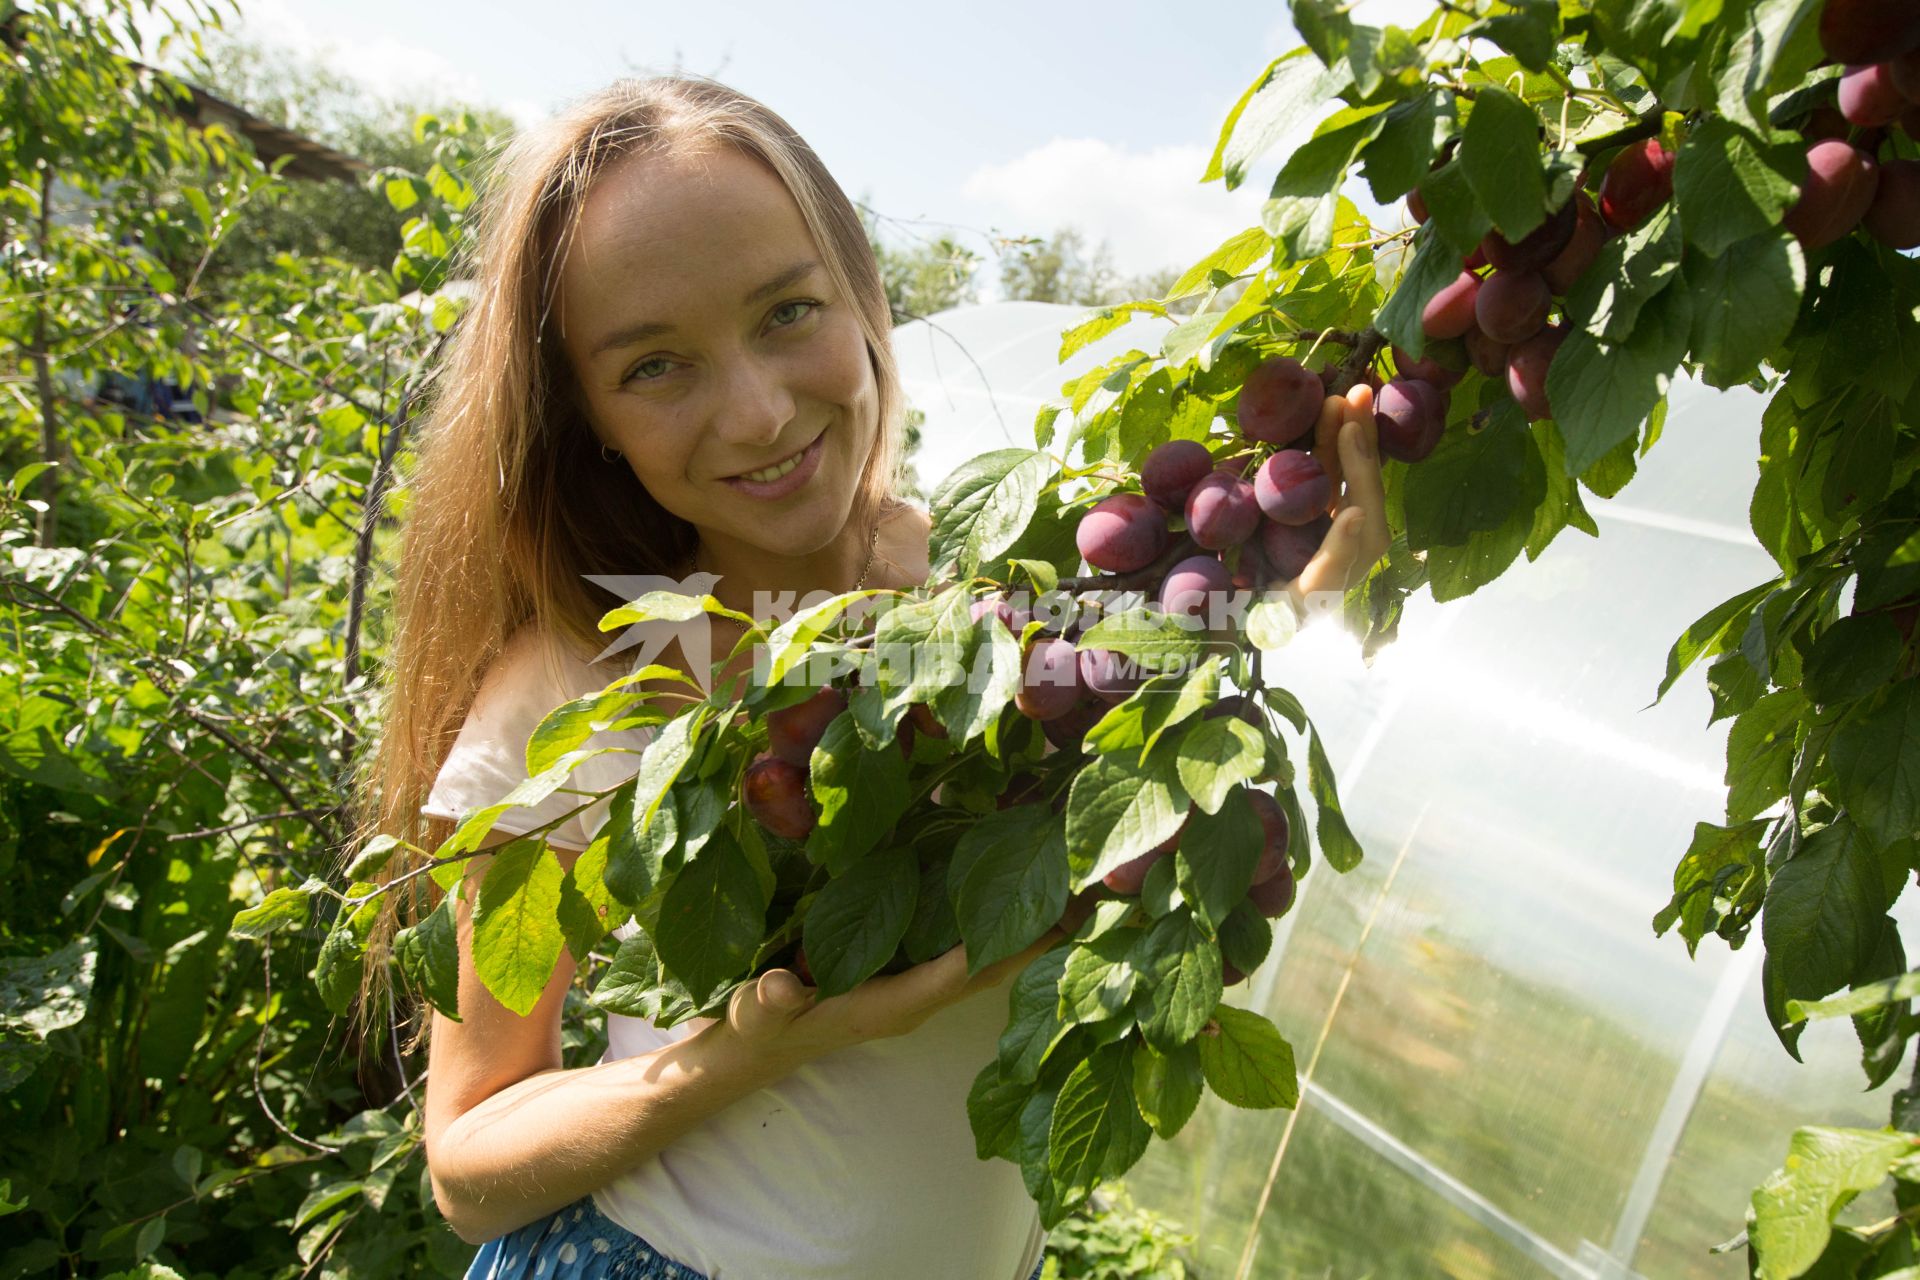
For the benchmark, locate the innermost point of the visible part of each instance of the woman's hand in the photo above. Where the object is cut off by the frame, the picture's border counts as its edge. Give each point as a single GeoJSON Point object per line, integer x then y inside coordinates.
{"type": "Point", "coordinates": [1346, 443]}
{"type": "Point", "coordinates": [781, 1017]}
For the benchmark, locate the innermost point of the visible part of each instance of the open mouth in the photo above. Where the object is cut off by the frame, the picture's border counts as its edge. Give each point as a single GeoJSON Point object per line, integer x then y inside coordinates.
{"type": "Point", "coordinates": [784, 476]}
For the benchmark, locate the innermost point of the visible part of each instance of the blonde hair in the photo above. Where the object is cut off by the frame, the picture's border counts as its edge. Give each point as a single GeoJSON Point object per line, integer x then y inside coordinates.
{"type": "Point", "coordinates": [510, 501]}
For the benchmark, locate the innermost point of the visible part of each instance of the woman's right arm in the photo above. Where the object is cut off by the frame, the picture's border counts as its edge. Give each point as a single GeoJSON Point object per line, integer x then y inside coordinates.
{"type": "Point", "coordinates": [511, 1135]}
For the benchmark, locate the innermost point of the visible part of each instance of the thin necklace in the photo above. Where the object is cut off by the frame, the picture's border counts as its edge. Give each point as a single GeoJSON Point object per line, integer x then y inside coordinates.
{"type": "Point", "coordinates": [872, 542]}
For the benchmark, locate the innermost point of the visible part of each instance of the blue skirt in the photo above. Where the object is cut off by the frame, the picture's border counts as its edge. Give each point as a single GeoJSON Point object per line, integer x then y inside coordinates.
{"type": "Point", "coordinates": [579, 1242]}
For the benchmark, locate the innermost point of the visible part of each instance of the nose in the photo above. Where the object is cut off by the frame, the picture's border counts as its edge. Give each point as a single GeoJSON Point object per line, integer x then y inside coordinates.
{"type": "Point", "coordinates": [755, 407]}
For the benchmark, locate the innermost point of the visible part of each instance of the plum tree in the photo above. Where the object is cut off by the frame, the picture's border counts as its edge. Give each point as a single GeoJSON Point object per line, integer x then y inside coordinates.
{"type": "Point", "coordinates": [793, 732]}
{"type": "Point", "coordinates": [1527, 366]}
{"type": "Point", "coordinates": [1291, 487]}
{"type": "Point", "coordinates": [924, 721]}
{"type": "Point", "coordinates": [1122, 533]}
{"type": "Point", "coordinates": [1894, 216]}
{"type": "Point", "coordinates": [1639, 180]}
{"type": "Point", "coordinates": [1449, 313]}
{"type": "Point", "coordinates": [1840, 183]}
{"type": "Point", "coordinates": [1049, 680]}
{"type": "Point", "coordinates": [1409, 418]}
{"type": "Point", "coordinates": [1170, 471]}
{"type": "Point", "coordinates": [1279, 402]}
{"type": "Point", "coordinates": [775, 793]}
{"type": "Point", "coordinates": [1512, 306]}
{"type": "Point", "coordinates": [1222, 510]}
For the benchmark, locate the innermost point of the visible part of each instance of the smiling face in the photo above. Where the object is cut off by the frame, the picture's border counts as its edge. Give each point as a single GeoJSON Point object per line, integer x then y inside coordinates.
{"type": "Point", "coordinates": [712, 350]}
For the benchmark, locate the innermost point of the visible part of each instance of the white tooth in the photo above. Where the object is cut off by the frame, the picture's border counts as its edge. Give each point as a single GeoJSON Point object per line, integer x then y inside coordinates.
{"type": "Point", "coordinates": [775, 472]}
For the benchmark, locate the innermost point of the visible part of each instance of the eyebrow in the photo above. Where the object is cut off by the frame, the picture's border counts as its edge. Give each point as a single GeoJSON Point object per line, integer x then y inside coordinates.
{"type": "Point", "coordinates": [630, 334]}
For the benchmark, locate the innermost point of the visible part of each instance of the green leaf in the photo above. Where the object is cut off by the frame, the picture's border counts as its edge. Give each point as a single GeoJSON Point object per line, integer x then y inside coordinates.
{"type": "Point", "coordinates": [1793, 1210]}
{"type": "Point", "coordinates": [1179, 967]}
{"type": "Point", "coordinates": [1215, 757]}
{"type": "Point", "coordinates": [1744, 304]}
{"type": "Point", "coordinates": [1343, 852]}
{"type": "Point", "coordinates": [1015, 885]}
{"type": "Point", "coordinates": [861, 790]}
{"type": "Point", "coordinates": [1473, 482]}
{"type": "Point", "coordinates": [1246, 937]}
{"type": "Point", "coordinates": [284, 908]}
{"type": "Point", "coordinates": [1397, 159]}
{"type": "Point", "coordinates": [982, 507]}
{"type": "Point", "coordinates": [1246, 1061]}
{"type": "Point", "coordinates": [1216, 857]}
{"type": "Point", "coordinates": [1117, 809]}
{"type": "Point", "coordinates": [1167, 1087]}
{"type": "Point", "coordinates": [1724, 188]}
{"type": "Point", "coordinates": [1760, 752]}
{"type": "Point", "coordinates": [1292, 87]}
{"type": "Point", "coordinates": [636, 987]}
{"type": "Point", "coordinates": [1721, 864]}
{"type": "Point", "coordinates": [1602, 392]}
{"type": "Point", "coordinates": [1034, 1025]}
{"type": "Point", "coordinates": [1767, 50]}
{"type": "Point", "coordinates": [640, 857]}
{"type": "Point", "coordinates": [1500, 155]}
{"type": "Point", "coordinates": [1036, 1123]}
{"type": "Point", "coordinates": [994, 1104]}
{"type": "Point", "coordinates": [1630, 272]}
{"type": "Point", "coordinates": [372, 858]}
{"type": "Point", "coordinates": [1820, 922]}
{"type": "Point", "coordinates": [429, 957]}
{"type": "Point", "coordinates": [1097, 1131]}
{"type": "Point", "coordinates": [857, 920]}
{"type": "Point", "coordinates": [1435, 265]}
{"type": "Point", "coordinates": [1711, 633]}
{"type": "Point", "coordinates": [516, 926]}
{"type": "Point", "coordinates": [1455, 216]}
{"type": "Point", "coordinates": [585, 902]}
{"type": "Point", "coordinates": [991, 660]}
{"type": "Point", "coordinates": [1158, 639]}
{"type": "Point", "coordinates": [713, 917]}
{"type": "Point", "coordinates": [1163, 701]}
{"type": "Point", "coordinates": [1876, 766]}
{"type": "Point", "coordinates": [1852, 658]}
{"type": "Point", "coordinates": [1873, 995]}
{"type": "Point", "coordinates": [792, 641]}
{"type": "Point", "coordinates": [1099, 980]}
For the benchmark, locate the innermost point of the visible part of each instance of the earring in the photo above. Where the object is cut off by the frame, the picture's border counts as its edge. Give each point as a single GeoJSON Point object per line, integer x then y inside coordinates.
{"type": "Point", "coordinates": [605, 457]}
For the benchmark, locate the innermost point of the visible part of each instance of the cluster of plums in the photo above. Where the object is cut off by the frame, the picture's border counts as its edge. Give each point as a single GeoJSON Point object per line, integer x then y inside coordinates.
{"type": "Point", "coordinates": [1848, 184]}
{"type": "Point", "coordinates": [1496, 314]}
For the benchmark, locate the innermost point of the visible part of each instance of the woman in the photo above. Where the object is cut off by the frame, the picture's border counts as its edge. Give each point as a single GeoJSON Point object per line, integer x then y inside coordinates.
{"type": "Point", "coordinates": [677, 360]}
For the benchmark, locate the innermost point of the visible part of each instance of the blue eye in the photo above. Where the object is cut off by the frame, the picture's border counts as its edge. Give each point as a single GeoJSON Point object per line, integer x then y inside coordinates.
{"type": "Point", "coordinates": [633, 375]}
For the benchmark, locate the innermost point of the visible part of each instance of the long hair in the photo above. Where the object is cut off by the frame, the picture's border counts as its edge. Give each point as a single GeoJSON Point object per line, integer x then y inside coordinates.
{"type": "Point", "coordinates": [509, 502]}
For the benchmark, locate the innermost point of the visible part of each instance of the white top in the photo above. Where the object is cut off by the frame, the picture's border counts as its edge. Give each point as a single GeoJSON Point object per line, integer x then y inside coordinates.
{"type": "Point", "coordinates": [860, 1163]}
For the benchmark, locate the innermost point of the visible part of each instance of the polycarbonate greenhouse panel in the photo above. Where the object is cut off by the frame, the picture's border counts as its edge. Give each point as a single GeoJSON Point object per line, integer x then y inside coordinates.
{"type": "Point", "coordinates": [1506, 1073]}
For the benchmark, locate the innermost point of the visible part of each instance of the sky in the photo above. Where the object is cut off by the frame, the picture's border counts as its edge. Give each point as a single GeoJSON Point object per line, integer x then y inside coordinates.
{"type": "Point", "coordinates": [995, 119]}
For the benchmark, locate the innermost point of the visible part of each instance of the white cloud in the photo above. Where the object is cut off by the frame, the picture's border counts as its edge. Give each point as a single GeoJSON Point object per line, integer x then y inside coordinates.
{"type": "Point", "coordinates": [1150, 206]}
